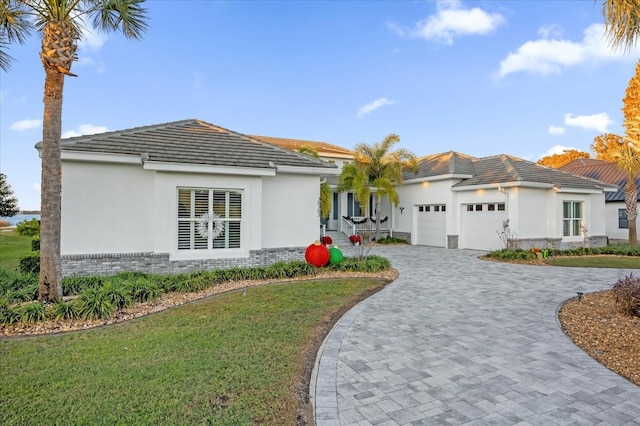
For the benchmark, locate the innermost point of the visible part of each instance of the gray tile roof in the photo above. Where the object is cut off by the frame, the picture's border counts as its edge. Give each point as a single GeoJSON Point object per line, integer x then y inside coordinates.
{"type": "Point", "coordinates": [603, 171]}
{"type": "Point", "coordinates": [193, 142]}
{"type": "Point", "coordinates": [498, 169]}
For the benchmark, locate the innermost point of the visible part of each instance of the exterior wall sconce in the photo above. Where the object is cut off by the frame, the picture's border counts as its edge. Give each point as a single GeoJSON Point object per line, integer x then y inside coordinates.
{"type": "Point", "coordinates": [401, 210]}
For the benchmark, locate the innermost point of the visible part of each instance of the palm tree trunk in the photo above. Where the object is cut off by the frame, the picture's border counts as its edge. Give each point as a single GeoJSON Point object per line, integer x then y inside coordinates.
{"type": "Point", "coordinates": [631, 202]}
{"type": "Point", "coordinates": [378, 214]}
{"type": "Point", "coordinates": [50, 205]}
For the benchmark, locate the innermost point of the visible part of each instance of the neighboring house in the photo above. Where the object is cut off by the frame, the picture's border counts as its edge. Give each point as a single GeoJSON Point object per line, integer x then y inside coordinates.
{"type": "Point", "coordinates": [183, 196]}
{"type": "Point", "coordinates": [458, 201]}
{"type": "Point", "coordinates": [343, 204]}
{"type": "Point", "coordinates": [614, 211]}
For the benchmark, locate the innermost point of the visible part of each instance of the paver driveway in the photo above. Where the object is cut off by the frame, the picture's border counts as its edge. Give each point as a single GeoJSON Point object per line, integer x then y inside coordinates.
{"type": "Point", "coordinates": [459, 340]}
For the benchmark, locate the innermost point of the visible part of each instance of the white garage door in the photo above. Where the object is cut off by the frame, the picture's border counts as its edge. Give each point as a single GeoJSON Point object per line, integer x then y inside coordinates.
{"type": "Point", "coordinates": [481, 224]}
{"type": "Point", "coordinates": [431, 225]}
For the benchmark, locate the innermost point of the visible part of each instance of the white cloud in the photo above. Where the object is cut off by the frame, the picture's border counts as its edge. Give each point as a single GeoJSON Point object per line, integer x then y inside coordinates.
{"type": "Point", "coordinates": [22, 125]}
{"type": "Point", "coordinates": [372, 106]}
{"type": "Point", "coordinates": [556, 130]}
{"type": "Point", "coordinates": [550, 31]}
{"type": "Point", "coordinates": [599, 122]}
{"type": "Point", "coordinates": [558, 149]}
{"type": "Point", "coordinates": [452, 20]}
{"type": "Point", "coordinates": [550, 56]}
{"type": "Point", "coordinates": [84, 129]}
{"type": "Point", "coordinates": [91, 40]}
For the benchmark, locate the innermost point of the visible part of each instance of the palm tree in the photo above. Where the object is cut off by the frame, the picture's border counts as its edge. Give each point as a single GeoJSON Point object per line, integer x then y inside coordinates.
{"type": "Point", "coordinates": [622, 22]}
{"type": "Point", "coordinates": [376, 167]}
{"type": "Point", "coordinates": [628, 160]}
{"type": "Point", "coordinates": [59, 23]}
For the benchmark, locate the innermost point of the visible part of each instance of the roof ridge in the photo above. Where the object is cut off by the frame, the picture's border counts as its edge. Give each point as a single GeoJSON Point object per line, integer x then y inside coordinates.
{"type": "Point", "coordinates": [506, 160]}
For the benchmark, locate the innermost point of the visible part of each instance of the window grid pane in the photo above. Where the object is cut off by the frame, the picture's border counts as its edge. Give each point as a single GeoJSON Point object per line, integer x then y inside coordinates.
{"type": "Point", "coordinates": [222, 208]}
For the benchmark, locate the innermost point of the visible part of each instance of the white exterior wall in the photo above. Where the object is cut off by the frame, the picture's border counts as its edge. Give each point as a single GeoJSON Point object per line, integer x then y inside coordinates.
{"type": "Point", "coordinates": [106, 208]}
{"type": "Point", "coordinates": [414, 194]}
{"type": "Point", "coordinates": [165, 231]}
{"type": "Point", "coordinates": [535, 213]}
{"type": "Point", "coordinates": [290, 211]}
{"type": "Point", "coordinates": [611, 221]}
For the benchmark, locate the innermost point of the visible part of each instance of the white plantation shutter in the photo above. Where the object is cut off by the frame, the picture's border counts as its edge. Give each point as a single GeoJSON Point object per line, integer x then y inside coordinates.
{"type": "Point", "coordinates": [201, 211]}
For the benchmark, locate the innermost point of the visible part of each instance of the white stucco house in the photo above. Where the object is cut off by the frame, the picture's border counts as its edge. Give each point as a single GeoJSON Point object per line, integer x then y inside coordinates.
{"type": "Point", "coordinates": [458, 201]}
{"type": "Point", "coordinates": [182, 196]}
{"type": "Point", "coordinates": [614, 211]}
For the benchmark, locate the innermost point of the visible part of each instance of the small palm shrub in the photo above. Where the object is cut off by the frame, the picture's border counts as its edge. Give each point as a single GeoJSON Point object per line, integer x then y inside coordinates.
{"type": "Point", "coordinates": [143, 290]}
{"type": "Point", "coordinates": [94, 304]}
{"type": "Point", "coordinates": [8, 314]}
{"type": "Point", "coordinates": [64, 310]}
{"type": "Point", "coordinates": [33, 312]}
{"type": "Point", "coordinates": [117, 294]}
{"type": "Point", "coordinates": [627, 295]}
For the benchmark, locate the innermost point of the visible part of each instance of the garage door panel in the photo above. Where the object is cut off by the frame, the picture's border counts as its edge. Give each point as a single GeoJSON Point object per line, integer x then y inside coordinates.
{"type": "Point", "coordinates": [480, 226]}
{"type": "Point", "coordinates": [431, 225]}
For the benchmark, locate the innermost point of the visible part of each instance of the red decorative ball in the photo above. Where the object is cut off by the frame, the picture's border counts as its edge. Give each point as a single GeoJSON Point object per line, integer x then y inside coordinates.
{"type": "Point", "coordinates": [317, 255]}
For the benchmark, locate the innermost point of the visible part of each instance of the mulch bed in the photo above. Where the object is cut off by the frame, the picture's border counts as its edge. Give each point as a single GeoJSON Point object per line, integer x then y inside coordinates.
{"type": "Point", "coordinates": [608, 336]}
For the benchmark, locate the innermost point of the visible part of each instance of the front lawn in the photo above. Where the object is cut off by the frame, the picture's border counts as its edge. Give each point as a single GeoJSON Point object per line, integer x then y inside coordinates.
{"type": "Point", "coordinates": [601, 261]}
{"type": "Point", "coordinates": [13, 246]}
{"type": "Point", "coordinates": [225, 360]}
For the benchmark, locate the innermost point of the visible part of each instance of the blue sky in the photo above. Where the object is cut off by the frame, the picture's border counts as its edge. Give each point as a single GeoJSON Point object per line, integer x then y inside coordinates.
{"type": "Point", "coordinates": [479, 77]}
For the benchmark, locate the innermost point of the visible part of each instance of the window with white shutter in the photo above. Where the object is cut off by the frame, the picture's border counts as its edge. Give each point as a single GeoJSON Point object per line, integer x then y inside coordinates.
{"type": "Point", "coordinates": [209, 219]}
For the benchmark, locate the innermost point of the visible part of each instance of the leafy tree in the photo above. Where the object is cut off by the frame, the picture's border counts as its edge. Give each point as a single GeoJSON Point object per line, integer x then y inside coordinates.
{"type": "Point", "coordinates": [59, 23]}
{"type": "Point", "coordinates": [631, 110]}
{"type": "Point", "coordinates": [556, 161]}
{"type": "Point", "coordinates": [622, 22]}
{"type": "Point", "coordinates": [8, 203]}
{"type": "Point", "coordinates": [376, 167]}
{"type": "Point", "coordinates": [628, 160]}
{"type": "Point", "coordinates": [606, 145]}
{"type": "Point", "coordinates": [325, 189]}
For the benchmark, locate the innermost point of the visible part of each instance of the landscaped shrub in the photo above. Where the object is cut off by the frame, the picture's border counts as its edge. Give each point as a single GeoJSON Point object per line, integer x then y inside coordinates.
{"type": "Point", "coordinates": [143, 290]}
{"type": "Point", "coordinates": [9, 314]}
{"type": "Point", "coordinates": [30, 263]}
{"type": "Point", "coordinates": [65, 310]}
{"type": "Point", "coordinates": [27, 293]}
{"type": "Point", "coordinates": [76, 285]}
{"type": "Point", "coordinates": [35, 244]}
{"type": "Point", "coordinates": [392, 240]}
{"type": "Point", "coordinates": [33, 312]}
{"type": "Point", "coordinates": [508, 254]}
{"type": "Point", "coordinates": [11, 281]}
{"type": "Point", "coordinates": [28, 228]}
{"type": "Point", "coordinates": [94, 304]}
{"type": "Point", "coordinates": [116, 293]}
{"type": "Point", "coordinates": [4, 223]}
{"type": "Point", "coordinates": [627, 295]}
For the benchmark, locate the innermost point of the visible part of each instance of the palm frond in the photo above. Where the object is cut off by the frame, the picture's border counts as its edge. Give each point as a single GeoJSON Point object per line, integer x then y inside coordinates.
{"type": "Point", "coordinates": [129, 16]}
{"type": "Point", "coordinates": [622, 22]}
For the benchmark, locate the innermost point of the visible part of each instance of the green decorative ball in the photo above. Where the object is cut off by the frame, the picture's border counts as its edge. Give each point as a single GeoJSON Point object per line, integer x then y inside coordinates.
{"type": "Point", "coordinates": [335, 255]}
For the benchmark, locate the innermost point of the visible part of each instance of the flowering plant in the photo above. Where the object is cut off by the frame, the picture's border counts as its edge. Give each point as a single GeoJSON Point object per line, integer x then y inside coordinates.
{"type": "Point", "coordinates": [326, 240]}
{"type": "Point", "coordinates": [355, 238]}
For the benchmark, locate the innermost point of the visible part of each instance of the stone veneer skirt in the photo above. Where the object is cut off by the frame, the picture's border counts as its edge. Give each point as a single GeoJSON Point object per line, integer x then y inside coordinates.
{"type": "Point", "coordinates": [159, 263]}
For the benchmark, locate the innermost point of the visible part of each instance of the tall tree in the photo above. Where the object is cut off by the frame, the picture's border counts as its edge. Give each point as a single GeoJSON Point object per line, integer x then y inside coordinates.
{"type": "Point", "coordinates": [606, 145]}
{"type": "Point", "coordinates": [631, 109]}
{"type": "Point", "coordinates": [377, 167]}
{"type": "Point", "coordinates": [555, 161]}
{"type": "Point", "coordinates": [8, 202]}
{"type": "Point", "coordinates": [622, 22]}
{"type": "Point", "coordinates": [628, 160]}
{"type": "Point", "coordinates": [59, 24]}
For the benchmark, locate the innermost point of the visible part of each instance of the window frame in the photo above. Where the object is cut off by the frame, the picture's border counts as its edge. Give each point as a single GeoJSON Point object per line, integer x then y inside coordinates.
{"type": "Point", "coordinates": [572, 224]}
{"type": "Point", "coordinates": [623, 218]}
{"type": "Point", "coordinates": [232, 218]}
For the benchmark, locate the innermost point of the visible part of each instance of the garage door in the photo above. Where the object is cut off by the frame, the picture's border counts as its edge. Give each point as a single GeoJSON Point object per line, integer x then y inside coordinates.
{"type": "Point", "coordinates": [431, 225]}
{"type": "Point", "coordinates": [481, 224]}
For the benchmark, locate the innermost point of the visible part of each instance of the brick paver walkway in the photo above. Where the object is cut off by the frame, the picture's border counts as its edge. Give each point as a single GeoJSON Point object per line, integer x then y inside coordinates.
{"type": "Point", "coordinates": [457, 340]}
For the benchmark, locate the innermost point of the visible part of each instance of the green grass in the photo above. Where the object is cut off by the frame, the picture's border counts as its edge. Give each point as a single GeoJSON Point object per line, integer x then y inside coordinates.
{"type": "Point", "coordinates": [227, 360]}
{"type": "Point", "coordinates": [603, 261]}
{"type": "Point", "coordinates": [12, 246]}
